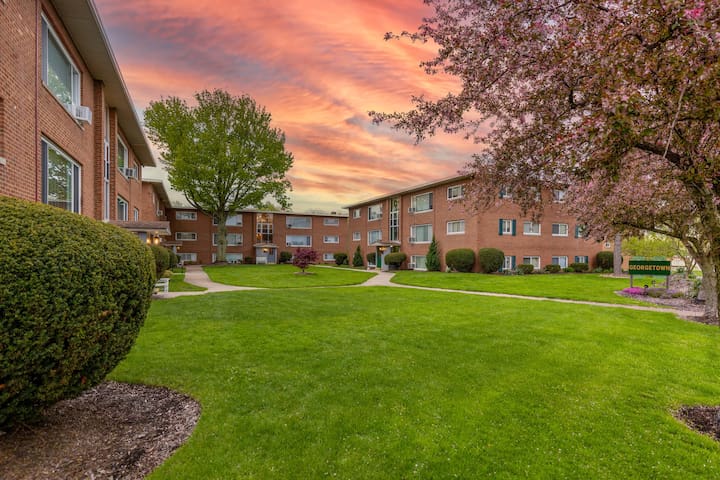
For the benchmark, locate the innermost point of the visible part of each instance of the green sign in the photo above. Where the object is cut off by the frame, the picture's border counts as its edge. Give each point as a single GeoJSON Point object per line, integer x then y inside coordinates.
{"type": "Point", "coordinates": [650, 267]}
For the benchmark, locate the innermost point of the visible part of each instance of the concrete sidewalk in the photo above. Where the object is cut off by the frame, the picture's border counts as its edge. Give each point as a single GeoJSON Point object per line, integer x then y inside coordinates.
{"type": "Point", "coordinates": [195, 275]}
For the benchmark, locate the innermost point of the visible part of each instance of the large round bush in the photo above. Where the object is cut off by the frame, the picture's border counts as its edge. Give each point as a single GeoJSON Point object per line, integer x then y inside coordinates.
{"type": "Point", "coordinates": [605, 260]}
{"type": "Point", "coordinates": [460, 259]}
{"type": "Point", "coordinates": [74, 293]}
{"type": "Point", "coordinates": [395, 259]}
{"type": "Point", "coordinates": [490, 260]}
{"type": "Point", "coordinates": [163, 259]}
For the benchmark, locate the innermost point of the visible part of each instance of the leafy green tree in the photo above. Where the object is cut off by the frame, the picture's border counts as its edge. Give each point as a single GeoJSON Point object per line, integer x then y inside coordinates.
{"type": "Point", "coordinates": [357, 258]}
{"type": "Point", "coordinates": [655, 245]}
{"type": "Point", "coordinates": [221, 153]}
{"type": "Point", "coordinates": [432, 259]}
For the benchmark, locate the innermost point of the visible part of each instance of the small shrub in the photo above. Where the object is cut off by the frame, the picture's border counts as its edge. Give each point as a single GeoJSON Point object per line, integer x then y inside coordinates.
{"type": "Point", "coordinates": [357, 258]}
{"type": "Point", "coordinates": [395, 259]}
{"type": "Point", "coordinates": [460, 259]}
{"type": "Point", "coordinates": [74, 293]}
{"type": "Point", "coordinates": [598, 270]}
{"type": "Point", "coordinates": [605, 260]}
{"type": "Point", "coordinates": [655, 292]}
{"type": "Point", "coordinates": [490, 260]}
{"type": "Point", "coordinates": [526, 268]}
{"type": "Point", "coordinates": [249, 260]}
{"type": "Point", "coordinates": [167, 274]}
{"type": "Point", "coordinates": [285, 257]}
{"type": "Point", "coordinates": [580, 267]}
{"type": "Point", "coordinates": [552, 268]}
{"type": "Point", "coordinates": [304, 257]}
{"type": "Point", "coordinates": [371, 258]}
{"type": "Point", "coordinates": [568, 269]}
{"type": "Point", "coordinates": [340, 258]}
{"type": "Point", "coordinates": [162, 259]}
{"type": "Point", "coordinates": [432, 259]}
{"type": "Point", "coordinates": [174, 259]}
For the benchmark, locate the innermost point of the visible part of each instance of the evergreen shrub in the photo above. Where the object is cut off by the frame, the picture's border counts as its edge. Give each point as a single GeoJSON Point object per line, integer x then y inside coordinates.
{"type": "Point", "coordinates": [490, 260]}
{"type": "Point", "coordinates": [460, 259]}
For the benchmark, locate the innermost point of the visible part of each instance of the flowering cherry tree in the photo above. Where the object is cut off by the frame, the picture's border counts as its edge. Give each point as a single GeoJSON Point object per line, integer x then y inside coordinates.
{"type": "Point", "coordinates": [615, 100]}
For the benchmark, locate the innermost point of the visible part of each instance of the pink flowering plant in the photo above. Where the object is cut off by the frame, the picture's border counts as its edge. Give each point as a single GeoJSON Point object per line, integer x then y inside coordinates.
{"type": "Point", "coordinates": [635, 291]}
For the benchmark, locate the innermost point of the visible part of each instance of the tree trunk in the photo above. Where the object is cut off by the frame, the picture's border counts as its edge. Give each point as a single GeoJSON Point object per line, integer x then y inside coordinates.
{"type": "Point", "coordinates": [222, 239]}
{"type": "Point", "coordinates": [617, 256]}
{"type": "Point", "coordinates": [710, 286]}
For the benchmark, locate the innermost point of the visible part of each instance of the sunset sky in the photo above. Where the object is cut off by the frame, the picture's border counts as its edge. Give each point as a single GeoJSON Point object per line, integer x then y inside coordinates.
{"type": "Point", "coordinates": [318, 67]}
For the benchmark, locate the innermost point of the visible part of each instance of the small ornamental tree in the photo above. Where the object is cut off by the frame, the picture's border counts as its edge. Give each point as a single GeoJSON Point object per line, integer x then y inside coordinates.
{"type": "Point", "coordinates": [304, 257]}
{"type": "Point", "coordinates": [432, 259]}
{"type": "Point", "coordinates": [357, 258]}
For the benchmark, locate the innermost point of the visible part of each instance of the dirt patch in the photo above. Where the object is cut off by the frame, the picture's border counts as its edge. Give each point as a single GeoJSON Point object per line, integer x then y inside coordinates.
{"type": "Point", "coordinates": [703, 419]}
{"type": "Point", "coordinates": [112, 431]}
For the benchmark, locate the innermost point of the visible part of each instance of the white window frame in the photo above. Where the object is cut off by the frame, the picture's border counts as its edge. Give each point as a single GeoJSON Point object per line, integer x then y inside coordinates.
{"type": "Point", "coordinates": [586, 257]}
{"type": "Point", "coordinates": [534, 260]}
{"type": "Point", "coordinates": [331, 222]}
{"type": "Point", "coordinates": [188, 256]}
{"type": "Point", "coordinates": [328, 257]}
{"type": "Point", "coordinates": [414, 230]}
{"type": "Point", "coordinates": [75, 177]}
{"type": "Point", "coordinates": [136, 214]}
{"type": "Point", "coordinates": [559, 225]}
{"type": "Point", "coordinates": [76, 77]}
{"type": "Point", "coordinates": [356, 213]}
{"type": "Point", "coordinates": [451, 192]}
{"type": "Point", "coordinates": [357, 236]}
{"type": "Point", "coordinates": [531, 232]}
{"type": "Point", "coordinates": [370, 235]}
{"type": "Point", "coordinates": [186, 236]}
{"type": "Point", "coordinates": [231, 221]}
{"type": "Point", "coordinates": [414, 261]}
{"type": "Point", "coordinates": [430, 202]}
{"type": "Point", "coordinates": [559, 196]}
{"type": "Point", "coordinates": [229, 235]}
{"type": "Point", "coordinates": [458, 232]}
{"type": "Point", "coordinates": [126, 209]}
{"type": "Point", "coordinates": [126, 156]}
{"type": "Point", "coordinates": [375, 212]}
{"type": "Point", "coordinates": [290, 220]}
{"type": "Point", "coordinates": [230, 257]}
{"type": "Point", "coordinates": [331, 238]}
{"type": "Point", "coordinates": [293, 244]}
{"type": "Point", "coordinates": [507, 263]}
{"type": "Point", "coordinates": [559, 260]}
{"type": "Point", "coordinates": [186, 216]}
{"type": "Point", "coordinates": [507, 226]}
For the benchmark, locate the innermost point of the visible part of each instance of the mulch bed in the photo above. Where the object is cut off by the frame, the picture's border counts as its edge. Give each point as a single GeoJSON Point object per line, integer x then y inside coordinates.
{"type": "Point", "coordinates": [702, 419]}
{"type": "Point", "coordinates": [112, 431]}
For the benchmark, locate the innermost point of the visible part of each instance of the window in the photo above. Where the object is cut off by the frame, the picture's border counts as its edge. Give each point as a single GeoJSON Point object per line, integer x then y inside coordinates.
{"type": "Point", "coordinates": [356, 213]}
{"type": "Point", "coordinates": [264, 228]}
{"type": "Point", "coordinates": [505, 193]}
{"type": "Point", "coordinates": [356, 236]}
{"type": "Point", "coordinates": [607, 244]}
{"type": "Point", "coordinates": [534, 261]}
{"type": "Point", "coordinates": [375, 212]}
{"type": "Point", "coordinates": [455, 192]}
{"type": "Point", "coordinates": [233, 239]}
{"type": "Point", "coordinates": [558, 196]}
{"type": "Point", "coordinates": [122, 209]}
{"type": "Point", "coordinates": [122, 156]}
{"type": "Point", "coordinates": [185, 236]}
{"type": "Point", "coordinates": [423, 202]}
{"type": "Point", "coordinates": [328, 257]}
{"type": "Point", "coordinates": [456, 227]}
{"type": "Point", "coordinates": [506, 227]}
{"type": "Point", "coordinates": [374, 236]}
{"type": "Point", "coordinates": [421, 233]}
{"type": "Point", "coordinates": [394, 219]}
{"type": "Point", "coordinates": [229, 257]}
{"type": "Point", "coordinates": [531, 228]}
{"type": "Point", "coordinates": [580, 231]}
{"type": "Point", "coordinates": [59, 73]}
{"type": "Point", "coordinates": [417, 262]}
{"type": "Point", "coordinates": [331, 239]}
{"type": "Point", "coordinates": [562, 261]}
{"type": "Point", "coordinates": [560, 229]}
{"type": "Point", "coordinates": [509, 263]}
{"type": "Point", "coordinates": [298, 222]}
{"type": "Point", "coordinates": [186, 215]}
{"type": "Point", "coordinates": [61, 178]}
{"type": "Point", "coordinates": [331, 222]}
{"type": "Point", "coordinates": [136, 214]}
{"type": "Point", "coordinates": [231, 221]}
{"type": "Point", "coordinates": [582, 259]}
{"type": "Point", "coordinates": [188, 257]}
{"type": "Point", "coordinates": [298, 240]}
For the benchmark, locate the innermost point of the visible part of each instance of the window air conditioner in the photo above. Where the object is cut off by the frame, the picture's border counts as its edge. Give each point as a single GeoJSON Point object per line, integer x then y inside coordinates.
{"type": "Point", "coordinates": [82, 113]}
{"type": "Point", "coordinates": [411, 210]}
{"type": "Point", "coordinates": [130, 172]}
{"type": "Point", "coordinates": [411, 239]}
{"type": "Point", "coordinates": [411, 266]}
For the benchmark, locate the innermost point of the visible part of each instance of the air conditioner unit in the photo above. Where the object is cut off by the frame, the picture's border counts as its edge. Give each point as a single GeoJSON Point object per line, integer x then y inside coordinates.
{"type": "Point", "coordinates": [411, 239]}
{"type": "Point", "coordinates": [288, 244]}
{"type": "Point", "coordinates": [411, 266]}
{"type": "Point", "coordinates": [82, 113]}
{"type": "Point", "coordinates": [411, 210]}
{"type": "Point", "coordinates": [130, 172]}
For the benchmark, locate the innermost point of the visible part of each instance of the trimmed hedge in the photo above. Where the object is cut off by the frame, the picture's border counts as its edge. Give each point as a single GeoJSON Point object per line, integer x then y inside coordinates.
{"type": "Point", "coordinates": [396, 259]}
{"type": "Point", "coordinates": [162, 259]}
{"type": "Point", "coordinates": [605, 260]}
{"type": "Point", "coordinates": [460, 259]}
{"type": "Point", "coordinates": [74, 293]}
{"type": "Point", "coordinates": [526, 268]}
{"type": "Point", "coordinates": [579, 267]}
{"type": "Point", "coordinates": [371, 258]}
{"type": "Point", "coordinates": [490, 260]}
{"type": "Point", "coordinates": [552, 268]}
{"type": "Point", "coordinates": [285, 257]}
{"type": "Point", "coordinates": [340, 258]}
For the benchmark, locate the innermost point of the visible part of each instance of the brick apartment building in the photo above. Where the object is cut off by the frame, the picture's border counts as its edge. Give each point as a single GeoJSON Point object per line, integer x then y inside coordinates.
{"type": "Point", "coordinates": [69, 135]}
{"type": "Point", "coordinates": [408, 219]}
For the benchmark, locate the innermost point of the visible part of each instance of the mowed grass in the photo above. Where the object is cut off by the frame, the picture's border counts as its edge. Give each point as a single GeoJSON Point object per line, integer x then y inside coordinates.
{"type": "Point", "coordinates": [587, 286]}
{"type": "Point", "coordinates": [178, 284]}
{"type": "Point", "coordinates": [378, 383]}
{"type": "Point", "coordinates": [284, 276]}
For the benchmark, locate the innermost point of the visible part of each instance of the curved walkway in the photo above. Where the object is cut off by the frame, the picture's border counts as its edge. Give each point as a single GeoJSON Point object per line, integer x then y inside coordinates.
{"type": "Point", "coordinates": [195, 275]}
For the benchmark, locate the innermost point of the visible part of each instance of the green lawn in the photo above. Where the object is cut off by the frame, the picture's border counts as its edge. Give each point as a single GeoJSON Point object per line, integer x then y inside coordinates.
{"type": "Point", "coordinates": [589, 287]}
{"type": "Point", "coordinates": [397, 383]}
{"type": "Point", "coordinates": [178, 284]}
{"type": "Point", "coordinates": [284, 276]}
